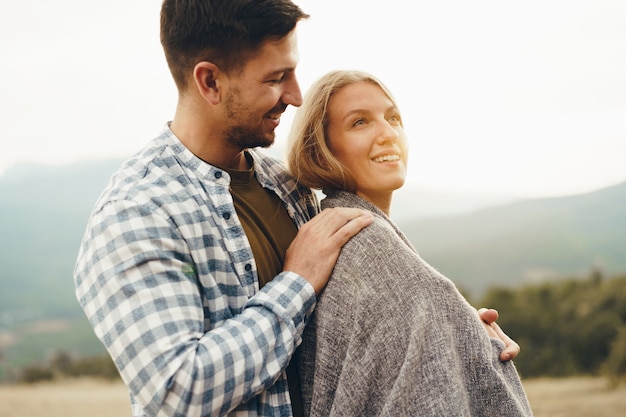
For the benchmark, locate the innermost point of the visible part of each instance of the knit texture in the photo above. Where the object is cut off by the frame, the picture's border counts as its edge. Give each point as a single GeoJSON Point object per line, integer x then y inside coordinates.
{"type": "Point", "coordinates": [391, 336]}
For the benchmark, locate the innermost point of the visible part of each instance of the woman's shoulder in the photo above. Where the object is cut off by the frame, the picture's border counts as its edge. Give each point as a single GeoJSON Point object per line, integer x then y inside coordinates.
{"type": "Point", "coordinates": [382, 232]}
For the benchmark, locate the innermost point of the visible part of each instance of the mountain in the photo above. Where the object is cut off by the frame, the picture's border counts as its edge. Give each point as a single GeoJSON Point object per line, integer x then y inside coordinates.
{"type": "Point", "coordinates": [526, 241]}
{"type": "Point", "coordinates": [43, 214]}
{"type": "Point", "coordinates": [411, 202]}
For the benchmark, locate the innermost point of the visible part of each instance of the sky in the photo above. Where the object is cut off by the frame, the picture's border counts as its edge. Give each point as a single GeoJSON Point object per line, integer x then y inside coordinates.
{"type": "Point", "coordinates": [521, 99]}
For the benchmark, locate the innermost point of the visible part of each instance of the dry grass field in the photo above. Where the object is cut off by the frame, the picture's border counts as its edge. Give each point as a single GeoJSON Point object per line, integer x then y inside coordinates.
{"type": "Point", "coordinates": [575, 397]}
{"type": "Point", "coordinates": [72, 398]}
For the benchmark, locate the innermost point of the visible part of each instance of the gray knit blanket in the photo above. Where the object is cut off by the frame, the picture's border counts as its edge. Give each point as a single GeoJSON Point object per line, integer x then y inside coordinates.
{"type": "Point", "coordinates": [391, 336]}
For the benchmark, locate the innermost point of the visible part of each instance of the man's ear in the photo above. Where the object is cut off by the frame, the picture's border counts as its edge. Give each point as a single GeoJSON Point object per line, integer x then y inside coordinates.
{"type": "Point", "coordinates": [208, 78]}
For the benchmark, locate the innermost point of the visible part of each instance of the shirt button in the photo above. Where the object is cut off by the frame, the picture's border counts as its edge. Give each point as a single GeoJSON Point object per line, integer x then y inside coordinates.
{"type": "Point", "coordinates": [248, 267]}
{"type": "Point", "coordinates": [218, 174]}
{"type": "Point", "coordinates": [226, 216]}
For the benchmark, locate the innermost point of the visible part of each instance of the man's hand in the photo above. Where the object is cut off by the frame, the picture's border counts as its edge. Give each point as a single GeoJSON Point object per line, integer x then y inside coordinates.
{"type": "Point", "coordinates": [315, 249]}
{"type": "Point", "coordinates": [489, 317]}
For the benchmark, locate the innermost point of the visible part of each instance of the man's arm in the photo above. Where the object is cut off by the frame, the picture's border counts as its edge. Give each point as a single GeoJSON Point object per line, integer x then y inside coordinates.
{"type": "Point", "coordinates": [140, 288]}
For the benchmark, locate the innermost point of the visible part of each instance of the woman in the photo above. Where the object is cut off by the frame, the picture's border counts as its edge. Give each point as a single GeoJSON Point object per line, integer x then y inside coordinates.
{"type": "Point", "coordinates": [390, 335]}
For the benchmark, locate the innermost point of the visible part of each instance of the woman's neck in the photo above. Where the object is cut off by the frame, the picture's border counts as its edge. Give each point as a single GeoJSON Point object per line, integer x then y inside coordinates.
{"type": "Point", "coordinates": [381, 200]}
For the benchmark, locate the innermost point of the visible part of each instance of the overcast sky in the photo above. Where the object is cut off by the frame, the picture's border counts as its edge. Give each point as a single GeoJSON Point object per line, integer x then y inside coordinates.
{"type": "Point", "coordinates": [526, 99]}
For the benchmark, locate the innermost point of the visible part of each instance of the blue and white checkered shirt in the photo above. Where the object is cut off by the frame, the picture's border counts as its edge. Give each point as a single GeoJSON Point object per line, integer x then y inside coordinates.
{"type": "Point", "coordinates": [166, 276]}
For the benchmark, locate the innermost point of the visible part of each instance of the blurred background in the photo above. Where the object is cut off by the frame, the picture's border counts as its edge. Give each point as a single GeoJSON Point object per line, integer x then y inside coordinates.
{"type": "Point", "coordinates": [517, 181]}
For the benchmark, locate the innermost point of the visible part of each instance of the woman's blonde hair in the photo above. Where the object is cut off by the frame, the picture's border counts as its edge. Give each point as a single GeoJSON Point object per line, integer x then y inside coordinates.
{"type": "Point", "coordinates": [309, 156]}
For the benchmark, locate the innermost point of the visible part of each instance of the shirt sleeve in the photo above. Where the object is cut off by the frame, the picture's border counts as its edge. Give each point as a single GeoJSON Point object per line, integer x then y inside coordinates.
{"type": "Point", "coordinates": [138, 285]}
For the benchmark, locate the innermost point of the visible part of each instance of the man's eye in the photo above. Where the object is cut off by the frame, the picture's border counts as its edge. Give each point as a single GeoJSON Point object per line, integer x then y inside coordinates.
{"type": "Point", "coordinates": [277, 80]}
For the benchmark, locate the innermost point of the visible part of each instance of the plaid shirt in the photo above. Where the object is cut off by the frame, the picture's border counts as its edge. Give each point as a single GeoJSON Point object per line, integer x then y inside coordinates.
{"type": "Point", "coordinates": [166, 277]}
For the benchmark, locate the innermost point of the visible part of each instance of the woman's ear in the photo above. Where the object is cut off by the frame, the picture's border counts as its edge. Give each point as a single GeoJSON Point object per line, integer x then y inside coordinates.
{"type": "Point", "coordinates": [208, 78]}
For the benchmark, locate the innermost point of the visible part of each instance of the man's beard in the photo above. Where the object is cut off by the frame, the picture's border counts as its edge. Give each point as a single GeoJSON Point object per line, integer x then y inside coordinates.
{"type": "Point", "coordinates": [241, 135]}
{"type": "Point", "coordinates": [244, 138]}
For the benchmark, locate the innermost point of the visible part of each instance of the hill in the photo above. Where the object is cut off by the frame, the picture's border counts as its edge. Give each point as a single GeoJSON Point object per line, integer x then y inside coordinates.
{"type": "Point", "coordinates": [527, 241]}
{"type": "Point", "coordinates": [43, 214]}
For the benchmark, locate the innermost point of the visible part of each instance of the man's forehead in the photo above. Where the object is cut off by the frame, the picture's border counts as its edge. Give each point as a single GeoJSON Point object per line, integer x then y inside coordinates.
{"type": "Point", "coordinates": [275, 56]}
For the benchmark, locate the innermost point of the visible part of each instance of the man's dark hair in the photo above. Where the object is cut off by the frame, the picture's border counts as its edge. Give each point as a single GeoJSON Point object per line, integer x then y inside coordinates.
{"type": "Point", "coordinates": [225, 32]}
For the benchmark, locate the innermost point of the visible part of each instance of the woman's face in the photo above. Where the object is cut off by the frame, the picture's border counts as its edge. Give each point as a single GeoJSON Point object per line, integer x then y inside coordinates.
{"type": "Point", "coordinates": [365, 134]}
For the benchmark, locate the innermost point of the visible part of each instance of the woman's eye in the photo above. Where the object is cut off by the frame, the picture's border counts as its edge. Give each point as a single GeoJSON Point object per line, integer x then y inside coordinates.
{"type": "Point", "coordinates": [395, 119]}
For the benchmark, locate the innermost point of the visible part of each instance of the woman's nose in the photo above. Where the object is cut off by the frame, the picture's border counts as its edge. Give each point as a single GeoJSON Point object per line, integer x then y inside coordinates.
{"type": "Point", "coordinates": [388, 132]}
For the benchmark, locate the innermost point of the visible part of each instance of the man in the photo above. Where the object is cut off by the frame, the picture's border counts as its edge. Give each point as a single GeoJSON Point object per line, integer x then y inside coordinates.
{"type": "Point", "coordinates": [182, 271]}
{"type": "Point", "coordinates": [166, 273]}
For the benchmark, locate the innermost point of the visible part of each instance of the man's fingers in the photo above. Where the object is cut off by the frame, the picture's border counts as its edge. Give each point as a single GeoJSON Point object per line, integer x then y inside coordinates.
{"type": "Point", "coordinates": [488, 315]}
{"type": "Point", "coordinates": [336, 225]}
{"type": "Point", "coordinates": [335, 220]}
{"type": "Point", "coordinates": [512, 349]}
{"type": "Point", "coordinates": [353, 224]}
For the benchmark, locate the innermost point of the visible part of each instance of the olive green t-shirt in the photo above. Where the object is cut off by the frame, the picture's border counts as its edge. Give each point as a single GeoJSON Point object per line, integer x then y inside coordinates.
{"type": "Point", "coordinates": [269, 230]}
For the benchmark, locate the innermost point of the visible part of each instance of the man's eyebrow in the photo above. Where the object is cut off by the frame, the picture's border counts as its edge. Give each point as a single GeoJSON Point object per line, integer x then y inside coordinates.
{"type": "Point", "coordinates": [282, 71]}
